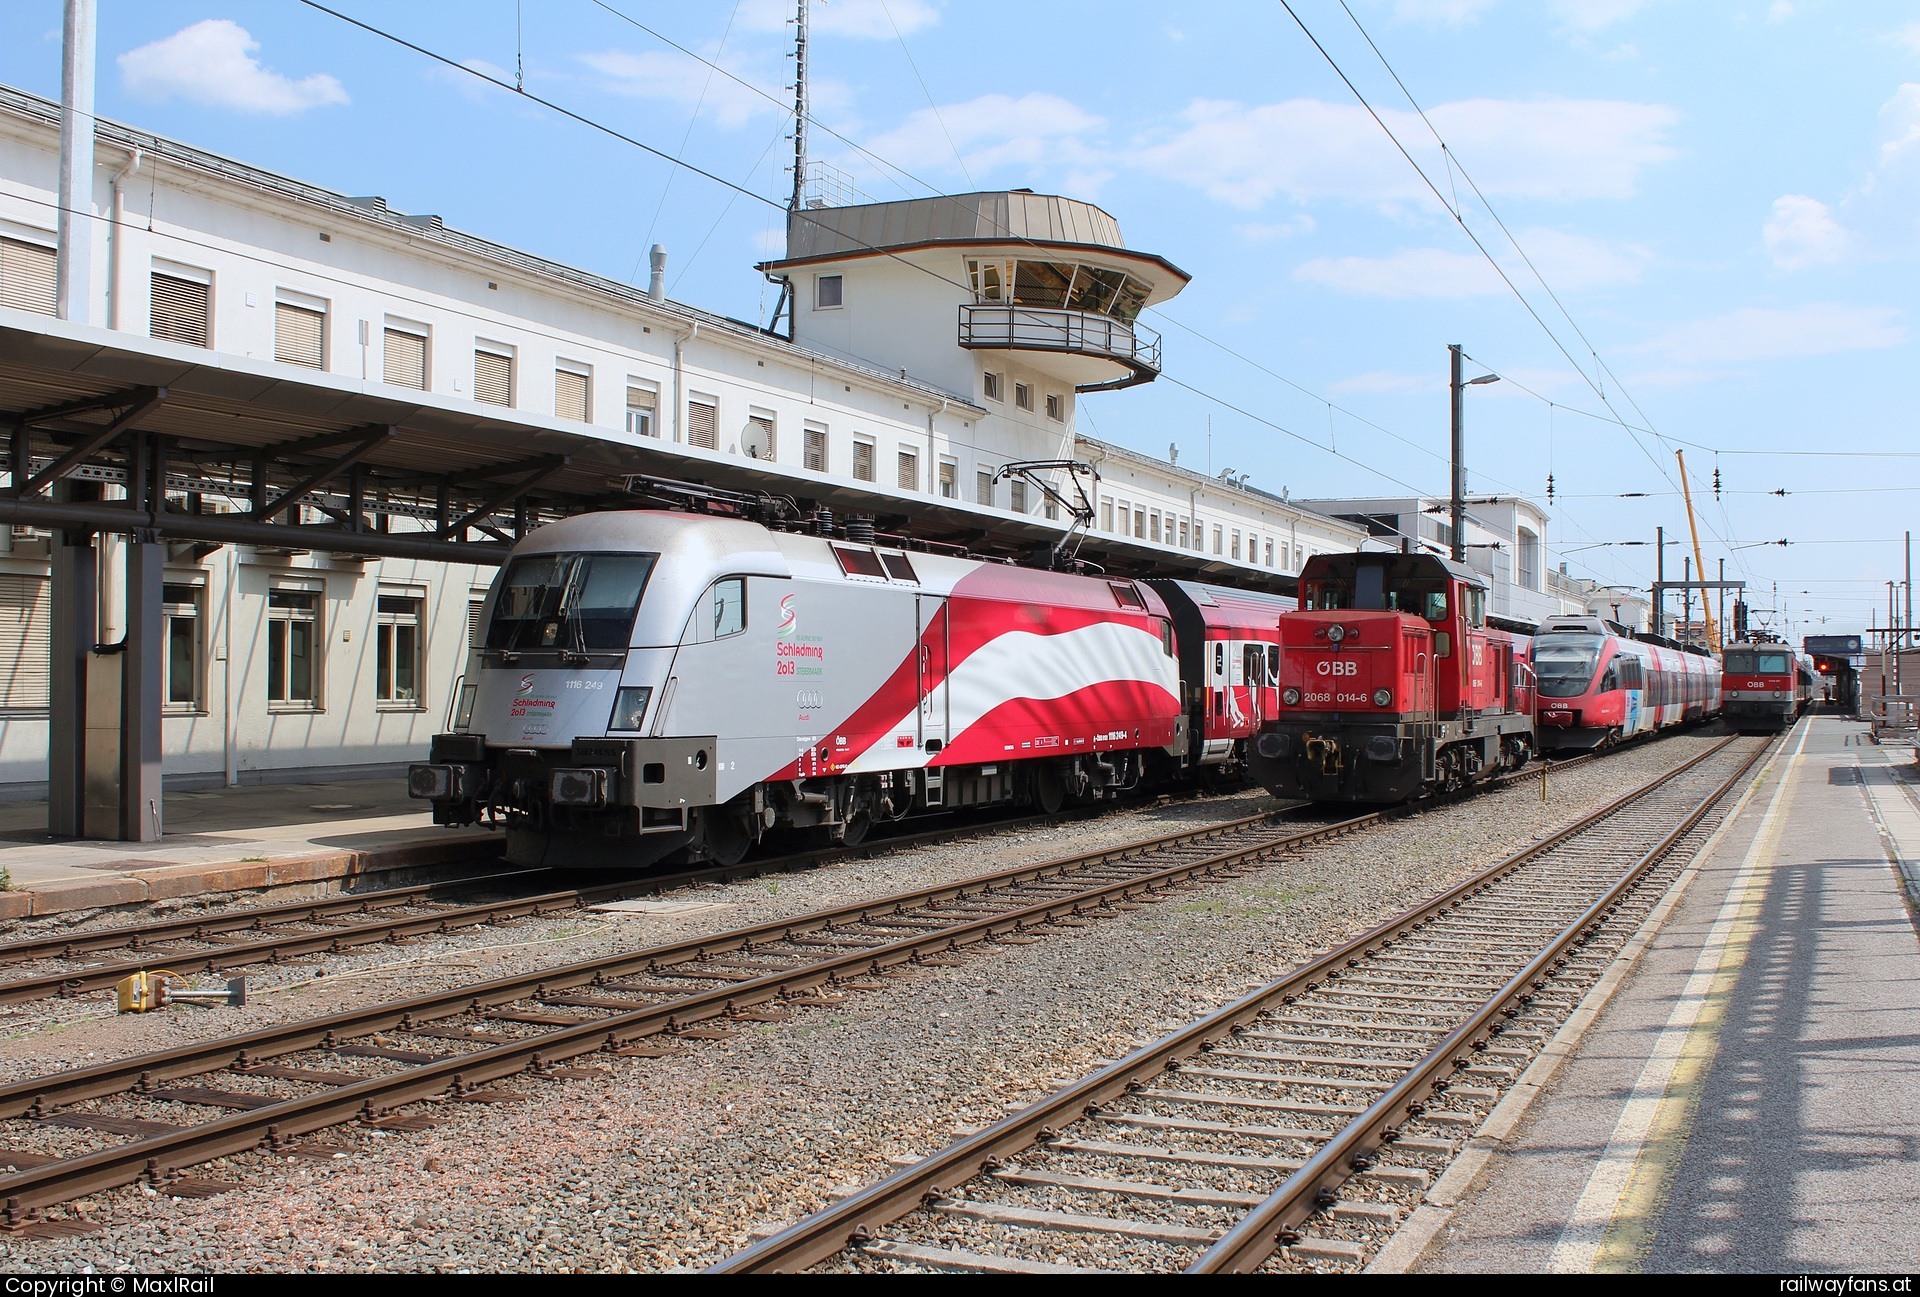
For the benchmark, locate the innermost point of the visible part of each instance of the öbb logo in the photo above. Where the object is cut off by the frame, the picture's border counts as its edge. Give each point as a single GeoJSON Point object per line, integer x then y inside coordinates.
{"type": "Point", "coordinates": [1338, 667]}
{"type": "Point", "coordinates": [789, 618]}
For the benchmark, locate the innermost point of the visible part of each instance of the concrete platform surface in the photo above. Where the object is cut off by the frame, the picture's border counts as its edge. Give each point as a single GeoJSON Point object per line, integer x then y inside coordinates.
{"type": "Point", "coordinates": [231, 839]}
{"type": "Point", "coordinates": [1749, 1100]}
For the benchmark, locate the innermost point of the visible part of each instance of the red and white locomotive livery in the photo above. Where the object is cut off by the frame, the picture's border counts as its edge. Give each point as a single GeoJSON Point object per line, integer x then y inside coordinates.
{"type": "Point", "coordinates": [1768, 685]}
{"type": "Point", "coordinates": [657, 685]}
{"type": "Point", "coordinates": [1393, 685]}
{"type": "Point", "coordinates": [1598, 687]}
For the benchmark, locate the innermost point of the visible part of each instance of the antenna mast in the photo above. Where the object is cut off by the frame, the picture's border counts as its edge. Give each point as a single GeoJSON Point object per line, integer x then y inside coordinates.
{"type": "Point", "coordinates": [799, 107]}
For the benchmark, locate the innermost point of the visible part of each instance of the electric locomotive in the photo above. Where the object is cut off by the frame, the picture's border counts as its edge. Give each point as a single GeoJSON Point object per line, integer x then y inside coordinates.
{"type": "Point", "coordinates": [1393, 684]}
{"type": "Point", "coordinates": [1767, 686]}
{"type": "Point", "coordinates": [654, 686]}
{"type": "Point", "coordinates": [1599, 687]}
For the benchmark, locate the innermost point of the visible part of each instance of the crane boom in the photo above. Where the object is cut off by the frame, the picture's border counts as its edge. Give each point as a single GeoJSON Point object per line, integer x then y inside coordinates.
{"type": "Point", "coordinates": [1699, 563]}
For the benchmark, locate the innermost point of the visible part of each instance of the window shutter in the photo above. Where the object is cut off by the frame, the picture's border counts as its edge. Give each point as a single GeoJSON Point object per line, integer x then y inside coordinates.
{"type": "Point", "coordinates": [299, 335]}
{"type": "Point", "coordinates": [703, 425]}
{"type": "Point", "coordinates": [406, 364]}
{"type": "Point", "coordinates": [759, 442]}
{"type": "Point", "coordinates": [26, 276]}
{"type": "Point", "coordinates": [909, 471]}
{"type": "Point", "coordinates": [1019, 492]}
{"type": "Point", "coordinates": [26, 608]}
{"type": "Point", "coordinates": [570, 395]}
{"type": "Point", "coordinates": [179, 310]}
{"type": "Point", "coordinates": [816, 449]}
{"type": "Point", "coordinates": [863, 460]}
{"type": "Point", "coordinates": [492, 378]}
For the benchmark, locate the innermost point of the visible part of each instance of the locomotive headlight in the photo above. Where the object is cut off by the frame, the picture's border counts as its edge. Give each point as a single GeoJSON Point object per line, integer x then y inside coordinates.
{"type": "Point", "coordinates": [629, 707]}
{"type": "Point", "coordinates": [1381, 697]}
{"type": "Point", "coordinates": [1290, 696]}
{"type": "Point", "coordinates": [1336, 633]}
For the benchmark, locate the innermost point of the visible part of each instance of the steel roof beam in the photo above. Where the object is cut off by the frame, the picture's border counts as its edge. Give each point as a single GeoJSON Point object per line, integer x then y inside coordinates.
{"type": "Point", "coordinates": [367, 444]}
{"type": "Point", "coordinates": [138, 403]}
{"type": "Point", "coordinates": [538, 471]}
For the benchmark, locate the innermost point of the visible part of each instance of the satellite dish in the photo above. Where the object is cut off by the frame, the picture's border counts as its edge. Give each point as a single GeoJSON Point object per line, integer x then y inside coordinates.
{"type": "Point", "coordinates": [756, 442]}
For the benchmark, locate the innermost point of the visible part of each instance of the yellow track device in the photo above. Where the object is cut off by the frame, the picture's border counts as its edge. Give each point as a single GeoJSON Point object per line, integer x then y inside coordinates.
{"type": "Point", "coordinates": [144, 991]}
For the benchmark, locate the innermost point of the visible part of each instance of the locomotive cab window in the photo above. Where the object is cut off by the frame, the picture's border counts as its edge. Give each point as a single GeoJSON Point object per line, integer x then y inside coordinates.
{"type": "Point", "coordinates": [1327, 595]}
{"type": "Point", "coordinates": [1475, 598]}
{"type": "Point", "coordinates": [1165, 628]}
{"type": "Point", "coordinates": [729, 606]}
{"type": "Point", "coordinates": [569, 603]}
{"type": "Point", "coordinates": [1564, 664]}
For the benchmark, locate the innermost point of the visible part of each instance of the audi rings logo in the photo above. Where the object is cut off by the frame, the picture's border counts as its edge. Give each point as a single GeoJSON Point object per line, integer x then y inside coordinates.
{"type": "Point", "coordinates": [789, 618]}
{"type": "Point", "coordinates": [526, 684]}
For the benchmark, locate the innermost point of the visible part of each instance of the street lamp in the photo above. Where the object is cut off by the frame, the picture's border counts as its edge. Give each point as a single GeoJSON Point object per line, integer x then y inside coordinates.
{"type": "Point", "coordinates": [1459, 501]}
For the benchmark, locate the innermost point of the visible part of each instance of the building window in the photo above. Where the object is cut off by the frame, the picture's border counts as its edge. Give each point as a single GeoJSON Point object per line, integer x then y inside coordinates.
{"type": "Point", "coordinates": [396, 673]}
{"type": "Point", "coordinates": [1183, 534]}
{"type": "Point", "coordinates": [828, 292]}
{"type": "Point", "coordinates": [642, 402]}
{"type": "Point", "coordinates": [573, 392]}
{"type": "Point", "coordinates": [300, 334]}
{"type": "Point", "coordinates": [1055, 407]}
{"type": "Point", "coordinates": [1529, 559]}
{"type": "Point", "coordinates": [1106, 515]}
{"type": "Point", "coordinates": [1023, 396]}
{"type": "Point", "coordinates": [863, 460]}
{"type": "Point", "coordinates": [815, 449]}
{"type": "Point", "coordinates": [1218, 532]}
{"type": "Point", "coordinates": [1299, 555]}
{"type": "Point", "coordinates": [293, 648]}
{"type": "Point", "coordinates": [949, 480]}
{"type": "Point", "coordinates": [703, 422]}
{"type": "Point", "coordinates": [991, 385]}
{"type": "Point", "coordinates": [493, 375]}
{"type": "Point", "coordinates": [1019, 495]}
{"type": "Point", "coordinates": [1051, 509]}
{"type": "Point", "coordinates": [405, 363]}
{"type": "Point", "coordinates": [756, 440]}
{"type": "Point", "coordinates": [1139, 524]}
{"type": "Point", "coordinates": [181, 309]}
{"type": "Point", "coordinates": [26, 624]}
{"type": "Point", "coordinates": [180, 607]}
{"type": "Point", "coordinates": [909, 471]}
{"type": "Point", "coordinates": [983, 487]}
{"type": "Point", "coordinates": [1236, 545]}
{"type": "Point", "coordinates": [1269, 551]}
{"type": "Point", "coordinates": [1153, 526]}
{"type": "Point", "coordinates": [26, 277]}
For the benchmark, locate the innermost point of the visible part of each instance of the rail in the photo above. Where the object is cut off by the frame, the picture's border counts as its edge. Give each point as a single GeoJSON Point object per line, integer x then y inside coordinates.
{"type": "Point", "coordinates": [1080, 333]}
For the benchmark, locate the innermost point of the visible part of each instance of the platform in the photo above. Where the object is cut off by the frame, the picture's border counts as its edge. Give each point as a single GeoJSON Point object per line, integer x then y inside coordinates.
{"type": "Point", "coordinates": [330, 836]}
{"type": "Point", "coordinates": [1745, 1101]}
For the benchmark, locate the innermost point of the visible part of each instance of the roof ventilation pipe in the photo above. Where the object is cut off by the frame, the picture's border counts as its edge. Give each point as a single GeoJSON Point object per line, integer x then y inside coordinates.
{"type": "Point", "coordinates": [657, 286]}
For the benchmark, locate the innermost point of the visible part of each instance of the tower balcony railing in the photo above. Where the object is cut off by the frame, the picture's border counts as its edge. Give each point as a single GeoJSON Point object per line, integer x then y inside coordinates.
{"type": "Point", "coordinates": [992, 327]}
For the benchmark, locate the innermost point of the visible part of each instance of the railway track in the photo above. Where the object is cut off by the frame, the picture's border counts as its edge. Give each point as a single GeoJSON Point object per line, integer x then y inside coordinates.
{"type": "Point", "coordinates": [272, 934]}
{"type": "Point", "coordinates": [267, 1089]}
{"type": "Point", "coordinates": [1294, 1126]}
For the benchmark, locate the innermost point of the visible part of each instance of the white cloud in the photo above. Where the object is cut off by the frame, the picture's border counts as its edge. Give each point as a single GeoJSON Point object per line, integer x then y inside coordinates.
{"type": "Point", "coordinates": [1551, 148]}
{"type": "Point", "coordinates": [1802, 233]}
{"type": "Point", "coordinates": [1780, 11]}
{"type": "Point", "coordinates": [1267, 233]}
{"type": "Point", "coordinates": [1592, 15]}
{"type": "Point", "coordinates": [658, 74]}
{"type": "Point", "coordinates": [212, 64]}
{"type": "Point", "coordinates": [1756, 333]}
{"type": "Point", "coordinates": [1908, 36]}
{"type": "Point", "coordinates": [874, 20]}
{"type": "Point", "coordinates": [1570, 262]}
{"type": "Point", "coordinates": [1436, 13]}
{"type": "Point", "coordinates": [1036, 130]}
{"type": "Point", "coordinates": [1902, 117]}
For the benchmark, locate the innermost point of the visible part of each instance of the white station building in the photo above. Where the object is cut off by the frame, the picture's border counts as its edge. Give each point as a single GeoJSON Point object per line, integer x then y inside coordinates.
{"type": "Point", "coordinates": [934, 343]}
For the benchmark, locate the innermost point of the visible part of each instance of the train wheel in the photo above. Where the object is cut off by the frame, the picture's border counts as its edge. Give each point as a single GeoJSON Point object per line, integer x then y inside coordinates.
{"type": "Point", "coordinates": [1049, 790]}
{"type": "Point", "coordinates": [724, 837]}
{"type": "Point", "coordinates": [855, 831]}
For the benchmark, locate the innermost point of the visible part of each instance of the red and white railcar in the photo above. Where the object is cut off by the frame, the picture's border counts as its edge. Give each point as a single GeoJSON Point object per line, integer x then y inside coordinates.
{"type": "Point", "coordinates": [1599, 687]}
{"type": "Point", "coordinates": [664, 684]}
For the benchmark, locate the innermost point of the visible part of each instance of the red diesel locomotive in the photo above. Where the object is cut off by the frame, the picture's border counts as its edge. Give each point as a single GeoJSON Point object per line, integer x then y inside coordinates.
{"type": "Point", "coordinates": [1392, 684]}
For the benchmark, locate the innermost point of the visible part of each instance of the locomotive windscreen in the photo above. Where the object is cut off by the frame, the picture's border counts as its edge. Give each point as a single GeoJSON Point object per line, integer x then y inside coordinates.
{"type": "Point", "coordinates": [1765, 662]}
{"type": "Point", "coordinates": [582, 603]}
{"type": "Point", "coordinates": [1373, 589]}
{"type": "Point", "coordinates": [1564, 664]}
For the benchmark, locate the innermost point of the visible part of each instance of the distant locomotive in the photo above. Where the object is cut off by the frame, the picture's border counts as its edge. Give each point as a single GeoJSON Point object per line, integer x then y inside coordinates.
{"type": "Point", "coordinates": [667, 686]}
{"type": "Point", "coordinates": [1598, 687]}
{"type": "Point", "coordinates": [1393, 685]}
{"type": "Point", "coordinates": [1767, 686]}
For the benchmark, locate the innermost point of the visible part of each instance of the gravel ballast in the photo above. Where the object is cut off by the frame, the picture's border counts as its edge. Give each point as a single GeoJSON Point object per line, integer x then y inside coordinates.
{"type": "Point", "coordinates": [676, 1162]}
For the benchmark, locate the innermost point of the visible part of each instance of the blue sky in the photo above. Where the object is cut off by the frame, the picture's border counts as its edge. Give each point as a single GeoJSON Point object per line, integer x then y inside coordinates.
{"type": "Point", "coordinates": [1724, 197]}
